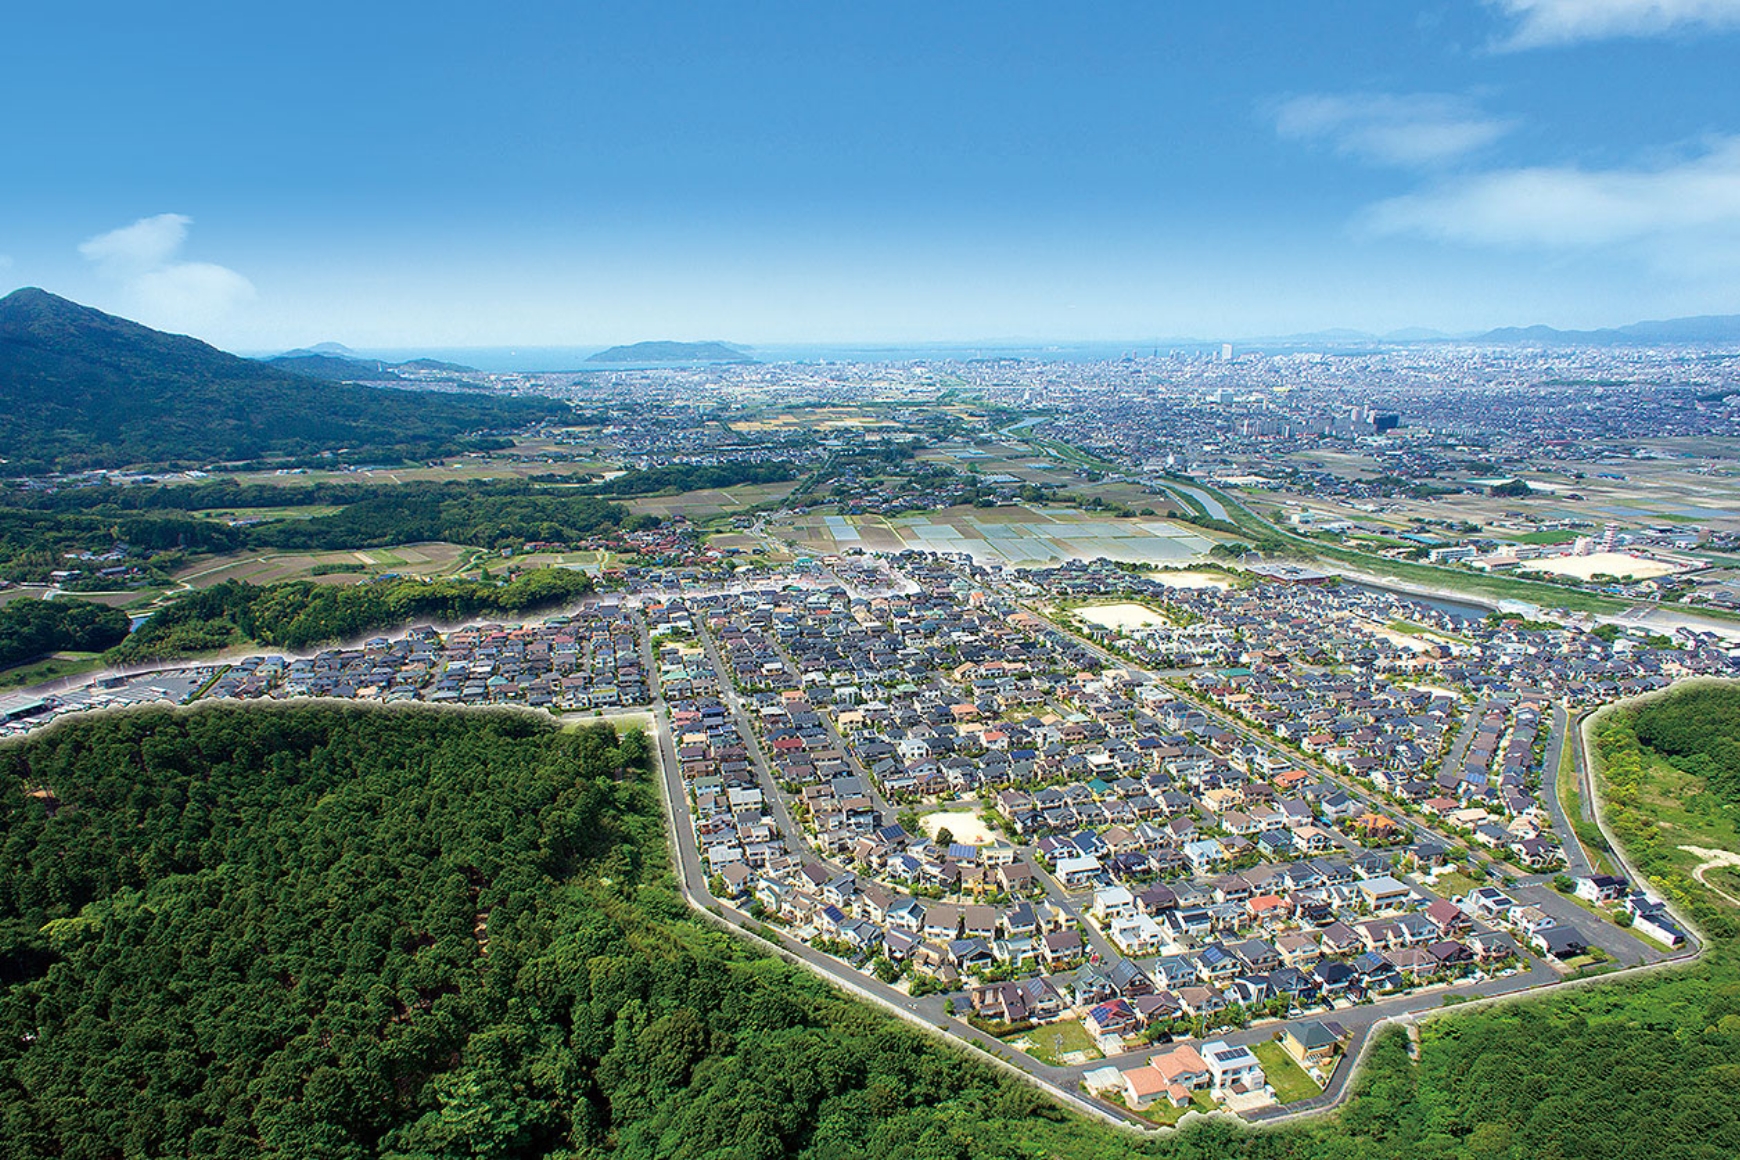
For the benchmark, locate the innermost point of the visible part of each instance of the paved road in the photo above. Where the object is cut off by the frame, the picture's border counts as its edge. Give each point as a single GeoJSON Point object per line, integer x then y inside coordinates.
{"type": "Point", "coordinates": [789, 832]}
{"type": "Point", "coordinates": [1267, 741]}
{"type": "Point", "coordinates": [1576, 858]}
{"type": "Point", "coordinates": [1597, 931]}
{"type": "Point", "coordinates": [1064, 1082]}
{"type": "Point", "coordinates": [1464, 738]}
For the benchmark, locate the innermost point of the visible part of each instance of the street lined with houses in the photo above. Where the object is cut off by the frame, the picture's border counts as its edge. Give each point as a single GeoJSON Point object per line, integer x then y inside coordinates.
{"type": "Point", "coordinates": [1159, 847]}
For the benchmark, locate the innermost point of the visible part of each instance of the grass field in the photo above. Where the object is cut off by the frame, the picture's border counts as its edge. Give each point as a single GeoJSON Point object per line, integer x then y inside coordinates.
{"type": "Point", "coordinates": [1555, 537]}
{"type": "Point", "coordinates": [298, 512]}
{"type": "Point", "coordinates": [1164, 1113]}
{"type": "Point", "coordinates": [1663, 795]}
{"type": "Point", "coordinates": [1289, 1080]}
{"type": "Point", "coordinates": [1571, 800]}
{"type": "Point", "coordinates": [50, 669]}
{"type": "Point", "coordinates": [1453, 885]}
{"type": "Point", "coordinates": [1042, 1042]}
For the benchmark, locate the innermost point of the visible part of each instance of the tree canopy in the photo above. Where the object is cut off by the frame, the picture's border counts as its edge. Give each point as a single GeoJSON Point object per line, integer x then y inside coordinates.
{"type": "Point", "coordinates": [1698, 729]}
{"type": "Point", "coordinates": [299, 613]}
{"type": "Point", "coordinates": [30, 628]}
{"type": "Point", "coordinates": [326, 931]}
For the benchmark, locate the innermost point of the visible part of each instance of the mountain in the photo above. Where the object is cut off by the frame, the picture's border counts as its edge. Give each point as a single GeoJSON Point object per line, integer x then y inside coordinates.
{"type": "Point", "coordinates": [84, 389]}
{"type": "Point", "coordinates": [335, 349]}
{"type": "Point", "coordinates": [664, 352]}
{"type": "Point", "coordinates": [1703, 328]}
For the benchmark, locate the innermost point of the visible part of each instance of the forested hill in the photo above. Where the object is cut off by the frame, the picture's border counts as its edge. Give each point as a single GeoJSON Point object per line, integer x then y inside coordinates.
{"type": "Point", "coordinates": [80, 388]}
{"type": "Point", "coordinates": [327, 933]}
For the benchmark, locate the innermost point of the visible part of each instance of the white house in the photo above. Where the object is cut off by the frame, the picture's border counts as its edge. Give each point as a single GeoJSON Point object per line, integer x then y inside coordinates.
{"type": "Point", "coordinates": [1229, 1066]}
{"type": "Point", "coordinates": [1078, 871]}
{"type": "Point", "coordinates": [1113, 902]}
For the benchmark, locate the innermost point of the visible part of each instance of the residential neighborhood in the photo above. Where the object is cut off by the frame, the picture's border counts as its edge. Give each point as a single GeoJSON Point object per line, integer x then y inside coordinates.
{"type": "Point", "coordinates": [1186, 863]}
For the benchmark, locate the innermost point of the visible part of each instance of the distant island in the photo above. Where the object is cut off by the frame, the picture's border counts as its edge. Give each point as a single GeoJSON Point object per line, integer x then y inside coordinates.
{"type": "Point", "coordinates": [658, 352]}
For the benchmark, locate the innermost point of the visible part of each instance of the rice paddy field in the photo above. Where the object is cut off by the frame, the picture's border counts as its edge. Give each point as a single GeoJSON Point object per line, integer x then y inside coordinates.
{"type": "Point", "coordinates": [1018, 536]}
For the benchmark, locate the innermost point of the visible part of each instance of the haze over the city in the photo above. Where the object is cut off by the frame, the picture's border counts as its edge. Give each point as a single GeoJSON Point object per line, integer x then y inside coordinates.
{"type": "Point", "coordinates": [446, 175]}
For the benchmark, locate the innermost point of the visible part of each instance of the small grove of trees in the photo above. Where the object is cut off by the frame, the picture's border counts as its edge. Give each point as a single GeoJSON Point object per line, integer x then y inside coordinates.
{"type": "Point", "coordinates": [30, 628]}
{"type": "Point", "coordinates": [300, 613]}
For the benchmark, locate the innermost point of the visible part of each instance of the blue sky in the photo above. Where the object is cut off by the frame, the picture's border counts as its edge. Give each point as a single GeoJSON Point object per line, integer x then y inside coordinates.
{"type": "Point", "coordinates": [566, 174]}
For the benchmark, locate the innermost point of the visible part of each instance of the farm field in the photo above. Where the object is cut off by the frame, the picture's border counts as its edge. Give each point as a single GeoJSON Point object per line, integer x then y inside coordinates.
{"type": "Point", "coordinates": [1593, 492]}
{"type": "Point", "coordinates": [1017, 536]}
{"type": "Point", "coordinates": [273, 567]}
{"type": "Point", "coordinates": [708, 502]}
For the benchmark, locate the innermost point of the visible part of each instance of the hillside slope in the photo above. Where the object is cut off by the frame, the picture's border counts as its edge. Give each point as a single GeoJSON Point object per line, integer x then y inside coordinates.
{"type": "Point", "coordinates": [83, 389]}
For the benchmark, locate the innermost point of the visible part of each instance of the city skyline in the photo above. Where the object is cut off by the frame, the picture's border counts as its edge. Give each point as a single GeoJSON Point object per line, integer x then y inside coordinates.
{"type": "Point", "coordinates": [789, 175]}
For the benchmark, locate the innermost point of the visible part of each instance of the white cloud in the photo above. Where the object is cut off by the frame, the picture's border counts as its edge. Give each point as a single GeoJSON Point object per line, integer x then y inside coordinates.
{"type": "Point", "coordinates": [145, 245]}
{"type": "Point", "coordinates": [1409, 129]}
{"type": "Point", "coordinates": [1672, 208]}
{"type": "Point", "coordinates": [159, 290]}
{"type": "Point", "coordinates": [1543, 23]}
{"type": "Point", "coordinates": [195, 294]}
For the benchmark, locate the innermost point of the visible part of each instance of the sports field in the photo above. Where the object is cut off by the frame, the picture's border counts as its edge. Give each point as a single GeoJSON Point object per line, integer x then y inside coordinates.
{"type": "Point", "coordinates": [1621, 564]}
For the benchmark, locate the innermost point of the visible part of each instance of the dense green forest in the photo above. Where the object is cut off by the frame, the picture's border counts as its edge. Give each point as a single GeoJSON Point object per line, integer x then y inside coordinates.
{"type": "Point", "coordinates": [490, 515]}
{"type": "Point", "coordinates": [300, 613]}
{"type": "Point", "coordinates": [161, 533]}
{"type": "Point", "coordinates": [80, 388]}
{"type": "Point", "coordinates": [680, 477]}
{"type": "Point", "coordinates": [190, 497]}
{"type": "Point", "coordinates": [327, 931]}
{"type": "Point", "coordinates": [30, 628]}
{"type": "Point", "coordinates": [1698, 730]}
